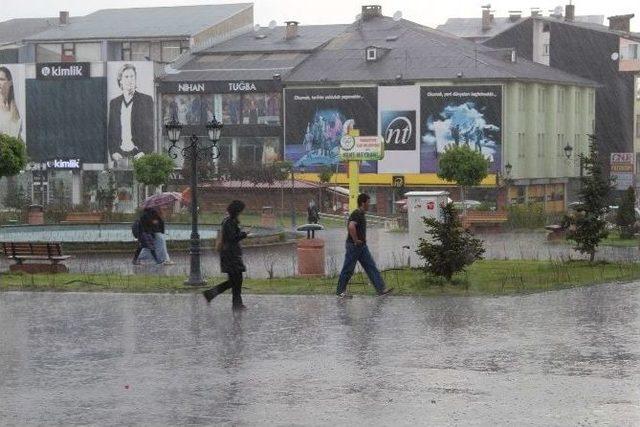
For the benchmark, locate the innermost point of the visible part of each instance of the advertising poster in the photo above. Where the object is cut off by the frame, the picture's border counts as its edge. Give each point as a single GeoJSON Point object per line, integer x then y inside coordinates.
{"type": "Point", "coordinates": [398, 107]}
{"type": "Point", "coordinates": [317, 119]}
{"type": "Point", "coordinates": [455, 115]}
{"type": "Point", "coordinates": [12, 101]}
{"type": "Point", "coordinates": [66, 119]}
{"type": "Point", "coordinates": [130, 90]}
{"type": "Point", "coordinates": [622, 169]}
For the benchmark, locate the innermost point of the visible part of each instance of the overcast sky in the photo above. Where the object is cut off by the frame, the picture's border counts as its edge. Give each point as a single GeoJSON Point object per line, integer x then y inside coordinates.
{"type": "Point", "coordinates": [430, 13]}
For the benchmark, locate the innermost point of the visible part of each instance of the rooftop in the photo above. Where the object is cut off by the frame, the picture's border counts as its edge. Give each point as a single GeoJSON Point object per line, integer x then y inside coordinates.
{"type": "Point", "coordinates": [14, 30]}
{"type": "Point", "coordinates": [179, 21]}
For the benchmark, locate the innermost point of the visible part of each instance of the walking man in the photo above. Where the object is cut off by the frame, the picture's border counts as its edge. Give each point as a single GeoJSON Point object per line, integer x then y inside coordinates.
{"type": "Point", "coordinates": [357, 251]}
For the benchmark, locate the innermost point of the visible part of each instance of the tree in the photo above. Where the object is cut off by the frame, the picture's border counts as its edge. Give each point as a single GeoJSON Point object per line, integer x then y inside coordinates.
{"type": "Point", "coordinates": [587, 227]}
{"type": "Point", "coordinates": [626, 215]}
{"type": "Point", "coordinates": [464, 166]}
{"type": "Point", "coordinates": [453, 247]}
{"type": "Point", "coordinates": [153, 169]}
{"type": "Point", "coordinates": [325, 175]}
{"type": "Point", "coordinates": [13, 155]}
{"type": "Point", "coordinates": [16, 197]}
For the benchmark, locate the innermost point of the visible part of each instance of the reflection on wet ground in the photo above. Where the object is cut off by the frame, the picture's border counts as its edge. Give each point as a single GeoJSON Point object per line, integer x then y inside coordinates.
{"type": "Point", "coordinates": [558, 358]}
{"type": "Point", "coordinates": [387, 248]}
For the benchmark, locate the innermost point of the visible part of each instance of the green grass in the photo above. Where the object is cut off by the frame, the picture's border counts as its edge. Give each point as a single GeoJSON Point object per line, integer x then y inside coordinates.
{"type": "Point", "coordinates": [482, 278]}
{"type": "Point", "coordinates": [613, 240]}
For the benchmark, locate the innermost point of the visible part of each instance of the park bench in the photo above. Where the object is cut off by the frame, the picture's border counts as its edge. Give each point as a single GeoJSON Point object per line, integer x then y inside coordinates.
{"type": "Point", "coordinates": [557, 233]}
{"type": "Point", "coordinates": [485, 220]}
{"type": "Point", "coordinates": [35, 251]}
{"type": "Point", "coordinates": [83, 217]}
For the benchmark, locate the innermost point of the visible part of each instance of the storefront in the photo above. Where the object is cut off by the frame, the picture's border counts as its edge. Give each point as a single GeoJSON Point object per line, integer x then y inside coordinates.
{"type": "Point", "coordinates": [251, 112]}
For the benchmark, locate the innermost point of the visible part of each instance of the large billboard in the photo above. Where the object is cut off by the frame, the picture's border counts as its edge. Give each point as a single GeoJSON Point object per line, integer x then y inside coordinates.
{"type": "Point", "coordinates": [66, 119]}
{"type": "Point", "coordinates": [317, 119]}
{"type": "Point", "coordinates": [455, 115]}
{"type": "Point", "coordinates": [398, 107]}
{"type": "Point", "coordinates": [12, 101]}
{"type": "Point", "coordinates": [130, 90]}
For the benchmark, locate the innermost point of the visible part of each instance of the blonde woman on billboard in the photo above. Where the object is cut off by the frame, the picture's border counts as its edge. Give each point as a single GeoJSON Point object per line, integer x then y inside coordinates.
{"type": "Point", "coordinates": [10, 122]}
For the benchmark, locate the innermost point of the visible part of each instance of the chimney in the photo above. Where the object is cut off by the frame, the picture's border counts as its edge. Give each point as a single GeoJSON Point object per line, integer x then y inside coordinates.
{"type": "Point", "coordinates": [515, 15]}
{"type": "Point", "coordinates": [64, 17]}
{"type": "Point", "coordinates": [620, 22]}
{"type": "Point", "coordinates": [291, 30]}
{"type": "Point", "coordinates": [570, 12]}
{"type": "Point", "coordinates": [371, 11]}
{"type": "Point", "coordinates": [486, 17]}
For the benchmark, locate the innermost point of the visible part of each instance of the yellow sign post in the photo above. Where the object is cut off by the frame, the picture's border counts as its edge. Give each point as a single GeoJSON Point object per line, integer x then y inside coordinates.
{"type": "Point", "coordinates": [353, 149]}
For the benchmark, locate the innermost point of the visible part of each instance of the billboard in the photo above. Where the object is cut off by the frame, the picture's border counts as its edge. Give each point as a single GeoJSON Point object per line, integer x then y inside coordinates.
{"type": "Point", "coordinates": [130, 90]}
{"type": "Point", "coordinates": [66, 119]}
{"type": "Point", "coordinates": [12, 101]}
{"type": "Point", "coordinates": [398, 107]}
{"type": "Point", "coordinates": [317, 119]}
{"type": "Point", "coordinates": [622, 169]}
{"type": "Point", "coordinates": [455, 115]}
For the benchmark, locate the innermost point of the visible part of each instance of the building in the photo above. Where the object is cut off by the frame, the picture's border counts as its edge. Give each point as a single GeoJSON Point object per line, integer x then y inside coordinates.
{"type": "Point", "coordinates": [69, 90]}
{"type": "Point", "coordinates": [609, 55]}
{"type": "Point", "coordinates": [488, 26]}
{"type": "Point", "coordinates": [381, 72]}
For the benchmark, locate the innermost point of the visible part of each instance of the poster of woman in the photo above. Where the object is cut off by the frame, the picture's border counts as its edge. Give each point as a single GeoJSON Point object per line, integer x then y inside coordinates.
{"type": "Point", "coordinates": [12, 96]}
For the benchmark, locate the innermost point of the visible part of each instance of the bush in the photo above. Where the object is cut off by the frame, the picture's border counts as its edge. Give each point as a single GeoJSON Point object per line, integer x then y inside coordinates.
{"type": "Point", "coordinates": [453, 249]}
{"type": "Point", "coordinates": [529, 215]}
{"type": "Point", "coordinates": [626, 215]}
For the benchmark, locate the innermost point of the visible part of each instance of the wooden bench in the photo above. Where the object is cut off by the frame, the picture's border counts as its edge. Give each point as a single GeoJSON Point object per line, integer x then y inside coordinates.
{"type": "Point", "coordinates": [36, 251]}
{"type": "Point", "coordinates": [83, 217]}
{"type": "Point", "coordinates": [485, 220]}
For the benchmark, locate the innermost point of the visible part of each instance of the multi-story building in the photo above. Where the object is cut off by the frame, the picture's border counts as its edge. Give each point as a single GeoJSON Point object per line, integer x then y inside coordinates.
{"type": "Point", "coordinates": [609, 56]}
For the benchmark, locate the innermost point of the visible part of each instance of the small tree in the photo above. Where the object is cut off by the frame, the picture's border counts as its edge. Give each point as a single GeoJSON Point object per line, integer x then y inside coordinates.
{"type": "Point", "coordinates": [587, 227]}
{"type": "Point", "coordinates": [464, 166]}
{"type": "Point", "coordinates": [153, 169]}
{"type": "Point", "coordinates": [325, 175]}
{"type": "Point", "coordinates": [626, 215]}
{"type": "Point", "coordinates": [453, 247]}
{"type": "Point", "coordinates": [13, 155]}
{"type": "Point", "coordinates": [16, 197]}
{"type": "Point", "coordinates": [106, 196]}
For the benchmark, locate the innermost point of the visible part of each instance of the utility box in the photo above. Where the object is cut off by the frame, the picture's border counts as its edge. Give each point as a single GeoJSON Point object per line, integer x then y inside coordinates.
{"type": "Point", "coordinates": [422, 204]}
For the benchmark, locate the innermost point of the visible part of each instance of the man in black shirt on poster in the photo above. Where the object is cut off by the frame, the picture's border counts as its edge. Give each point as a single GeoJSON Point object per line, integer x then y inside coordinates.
{"type": "Point", "coordinates": [357, 251]}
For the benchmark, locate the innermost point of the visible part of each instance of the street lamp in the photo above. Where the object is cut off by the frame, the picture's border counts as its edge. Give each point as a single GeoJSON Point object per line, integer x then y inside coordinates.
{"type": "Point", "coordinates": [567, 151]}
{"type": "Point", "coordinates": [214, 129]}
{"type": "Point", "coordinates": [507, 180]}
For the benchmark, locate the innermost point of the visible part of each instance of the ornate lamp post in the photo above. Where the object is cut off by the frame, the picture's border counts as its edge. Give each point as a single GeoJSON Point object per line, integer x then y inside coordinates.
{"type": "Point", "coordinates": [507, 181]}
{"type": "Point", "coordinates": [194, 150]}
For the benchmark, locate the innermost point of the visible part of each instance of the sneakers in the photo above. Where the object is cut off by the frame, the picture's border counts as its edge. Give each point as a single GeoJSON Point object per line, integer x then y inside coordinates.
{"type": "Point", "coordinates": [210, 294]}
{"type": "Point", "coordinates": [169, 262]}
{"type": "Point", "coordinates": [344, 295]}
{"type": "Point", "coordinates": [385, 292]}
{"type": "Point", "coordinates": [239, 307]}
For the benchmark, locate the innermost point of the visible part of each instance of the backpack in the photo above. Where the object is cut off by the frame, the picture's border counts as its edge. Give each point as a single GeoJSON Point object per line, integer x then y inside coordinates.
{"type": "Point", "coordinates": [135, 228]}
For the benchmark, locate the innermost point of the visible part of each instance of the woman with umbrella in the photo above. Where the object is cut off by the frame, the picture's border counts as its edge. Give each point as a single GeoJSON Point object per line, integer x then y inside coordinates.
{"type": "Point", "coordinates": [231, 257]}
{"type": "Point", "coordinates": [153, 215]}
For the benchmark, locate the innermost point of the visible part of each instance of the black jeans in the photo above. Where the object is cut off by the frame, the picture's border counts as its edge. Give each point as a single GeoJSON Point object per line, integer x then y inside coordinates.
{"type": "Point", "coordinates": [233, 282]}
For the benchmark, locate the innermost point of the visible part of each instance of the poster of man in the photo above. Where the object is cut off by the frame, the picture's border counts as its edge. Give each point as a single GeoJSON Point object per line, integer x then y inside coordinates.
{"type": "Point", "coordinates": [317, 119]}
{"type": "Point", "coordinates": [130, 125]}
{"type": "Point", "coordinates": [12, 96]}
{"type": "Point", "coordinates": [455, 115]}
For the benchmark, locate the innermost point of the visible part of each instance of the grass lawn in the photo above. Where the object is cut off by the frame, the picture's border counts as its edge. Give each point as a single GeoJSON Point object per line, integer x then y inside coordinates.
{"type": "Point", "coordinates": [483, 278]}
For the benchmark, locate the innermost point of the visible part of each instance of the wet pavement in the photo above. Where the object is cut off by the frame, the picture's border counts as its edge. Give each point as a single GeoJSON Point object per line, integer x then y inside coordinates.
{"type": "Point", "coordinates": [387, 248]}
{"type": "Point", "coordinates": [553, 359]}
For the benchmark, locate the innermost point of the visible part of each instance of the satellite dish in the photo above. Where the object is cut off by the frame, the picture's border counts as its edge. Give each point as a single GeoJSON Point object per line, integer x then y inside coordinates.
{"type": "Point", "coordinates": [358, 17]}
{"type": "Point", "coordinates": [397, 16]}
{"type": "Point", "coordinates": [256, 27]}
{"type": "Point", "coordinates": [272, 25]}
{"type": "Point", "coordinates": [615, 56]}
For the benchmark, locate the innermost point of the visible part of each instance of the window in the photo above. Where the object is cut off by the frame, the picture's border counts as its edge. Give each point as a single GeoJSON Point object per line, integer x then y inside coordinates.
{"type": "Point", "coordinates": [88, 52]}
{"type": "Point", "coordinates": [125, 52]}
{"type": "Point", "coordinates": [561, 143]}
{"type": "Point", "coordinates": [173, 49]}
{"type": "Point", "coordinates": [578, 102]}
{"type": "Point", "coordinates": [545, 28]}
{"type": "Point", "coordinates": [48, 52]}
{"type": "Point", "coordinates": [561, 100]}
{"type": "Point", "coordinates": [632, 52]}
{"type": "Point", "coordinates": [541, 145]}
{"type": "Point", "coordinates": [372, 54]}
{"type": "Point", "coordinates": [68, 52]}
{"type": "Point", "coordinates": [521, 146]}
{"type": "Point", "coordinates": [140, 51]}
{"type": "Point", "coordinates": [542, 99]}
{"type": "Point", "coordinates": [545, 50]}
{"type": "Point", "coordinates": [522, 93]}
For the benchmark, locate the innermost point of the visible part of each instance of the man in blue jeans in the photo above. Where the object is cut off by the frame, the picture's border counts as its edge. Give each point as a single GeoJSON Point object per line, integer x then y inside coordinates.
{"type": "Point", "coordinates": [357, 251]}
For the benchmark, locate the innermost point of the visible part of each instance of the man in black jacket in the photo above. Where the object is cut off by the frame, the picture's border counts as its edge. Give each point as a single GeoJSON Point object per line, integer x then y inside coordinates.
{"type": "Point", "coordinates": [130, 119]}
